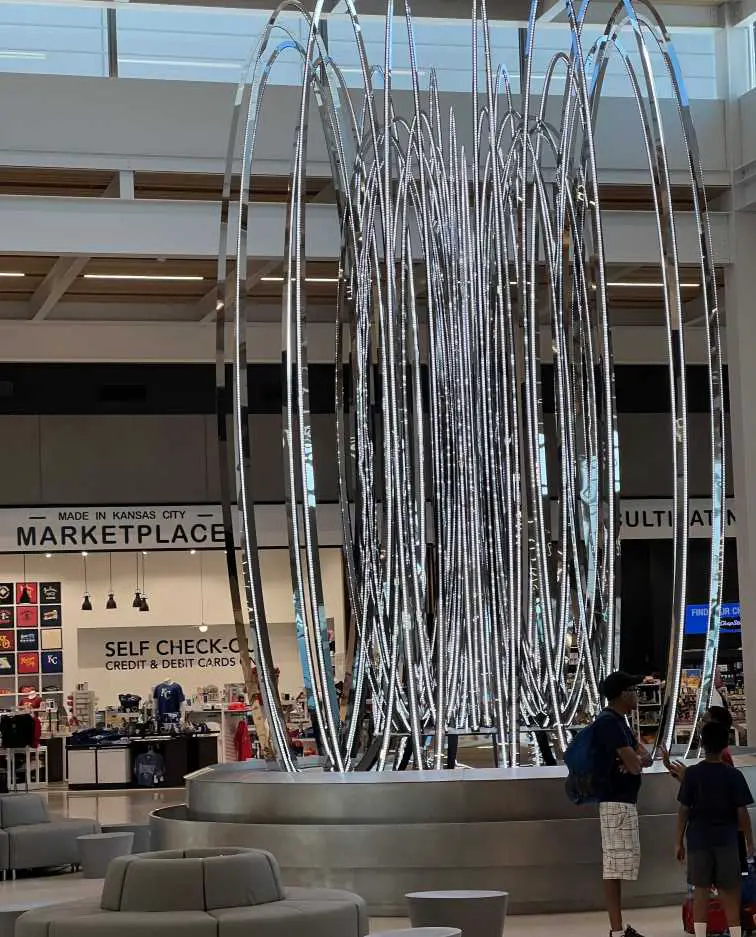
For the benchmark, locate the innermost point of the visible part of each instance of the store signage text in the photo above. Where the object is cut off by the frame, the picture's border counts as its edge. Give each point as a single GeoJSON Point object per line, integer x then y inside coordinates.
{"type": "Point", "coordinates": [168, 654]}
{"type": "Point", "coordinates": [120, 529]}
{"type": "Point", "coordinates": [646, 519]}
{"type": "Point", "coordinates": [172, 649]}
{"type": "Point", "coordinates": [182, 527]}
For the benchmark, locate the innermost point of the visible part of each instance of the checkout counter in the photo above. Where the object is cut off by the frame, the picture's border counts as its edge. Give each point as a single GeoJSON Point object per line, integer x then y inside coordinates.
{"type": "Point", "coordinates": [112, 765]}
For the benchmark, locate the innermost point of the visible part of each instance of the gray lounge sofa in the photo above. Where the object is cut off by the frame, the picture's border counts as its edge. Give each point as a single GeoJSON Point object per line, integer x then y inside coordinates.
{"type": "Point", "coordinates": [31, 839]}
{"type": "Point", "coordinates": [222, 892]}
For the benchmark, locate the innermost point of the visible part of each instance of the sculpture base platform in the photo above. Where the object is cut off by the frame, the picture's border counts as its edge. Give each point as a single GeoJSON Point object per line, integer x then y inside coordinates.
{"type": "Point", "coordinates": [384, 835]}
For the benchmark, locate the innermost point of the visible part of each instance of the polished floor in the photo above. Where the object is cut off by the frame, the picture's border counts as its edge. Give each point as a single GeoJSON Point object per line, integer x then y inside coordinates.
{"type": "Point", "coordinates": [135, 806]}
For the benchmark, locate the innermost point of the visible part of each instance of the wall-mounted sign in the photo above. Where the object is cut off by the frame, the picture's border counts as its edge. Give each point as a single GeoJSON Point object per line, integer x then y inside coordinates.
{"type": "Point", "coordinates": [110, 528]}
{"type": "Point", "coordinates": [697, 618]}
{"type": "Point", "coordinates": [651, 519]}
{"type": "Point", "coordinates": [183, 527]}
{"type": "Point", "coordinates": [140, 527]}
{"type": "Point", "coordinates": [163, 650]}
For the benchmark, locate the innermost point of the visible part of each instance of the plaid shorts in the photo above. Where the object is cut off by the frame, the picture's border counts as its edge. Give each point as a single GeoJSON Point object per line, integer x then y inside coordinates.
{"type": "Point", "coordinates": [620, 841]}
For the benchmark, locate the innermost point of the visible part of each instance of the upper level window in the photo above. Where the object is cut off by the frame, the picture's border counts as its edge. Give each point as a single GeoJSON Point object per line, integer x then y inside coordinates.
{"type": "Point", "coordinates": [53, 39]}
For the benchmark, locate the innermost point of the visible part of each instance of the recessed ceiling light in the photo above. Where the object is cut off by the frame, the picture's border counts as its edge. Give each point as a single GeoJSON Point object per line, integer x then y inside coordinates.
{"type": "Point", "coordinates": [48, 555]}
{"type": "Point", "coordinates": [182, 63]}
{"type": "Point", "coordinates": [160, 277]}
{"type": "Point", "coordinates": [627, 284]}
{"type": "Point", "coordinates": [19, 54]}
{"type": "Point", "coordinates": [308, 279]}
{"type": "Point", "coordinates": [84, 553]}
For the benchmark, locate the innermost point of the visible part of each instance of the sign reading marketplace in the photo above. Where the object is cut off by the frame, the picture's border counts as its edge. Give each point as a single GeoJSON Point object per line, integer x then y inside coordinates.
{"type": "Point", "coordinates": [182, 527]}
{"type": "Point", "coordinates": [114, 528]}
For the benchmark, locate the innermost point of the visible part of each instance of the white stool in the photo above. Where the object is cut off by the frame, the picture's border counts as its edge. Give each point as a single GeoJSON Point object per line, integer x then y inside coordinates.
{"type": "Point", "coordinates": [35, 767]}
{"type": "Point", "coordinates": [475, 913]}
{"type": "Point", "coordinates": [97, 849]}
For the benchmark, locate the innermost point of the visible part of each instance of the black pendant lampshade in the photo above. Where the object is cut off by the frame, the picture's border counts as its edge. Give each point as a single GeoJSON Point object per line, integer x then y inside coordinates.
{"type": "Point", "coordinates": [137, 603]}
{"type": "Point", "coordinates": [86, 605]}
{"type": "Point", "coordinates": [111, 603]}
{"type": "Point", "coordinates": [24, 598]}
{"type": "Point", "coordinates": [143, 606]}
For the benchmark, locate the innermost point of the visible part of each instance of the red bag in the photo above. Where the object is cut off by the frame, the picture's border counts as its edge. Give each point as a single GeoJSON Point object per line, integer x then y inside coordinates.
{"type": "Point", "coordinates": [717, 923]}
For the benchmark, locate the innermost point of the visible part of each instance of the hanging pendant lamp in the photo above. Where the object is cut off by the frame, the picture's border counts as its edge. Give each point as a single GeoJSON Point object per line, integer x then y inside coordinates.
{"type": "Point", "coordinates": [137, 603]}
{"type": "Point", "coordinates": [111, 603]}
{"type": "Point", "coordinates": [24, 598]}
{"type": "Point", "coordinates": [143, 606]}
{"type": "Point", "coordinates": [86, 605]}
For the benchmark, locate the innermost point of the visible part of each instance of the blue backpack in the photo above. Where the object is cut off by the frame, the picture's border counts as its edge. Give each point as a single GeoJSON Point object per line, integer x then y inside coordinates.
{"type": "Point", "coordinates": [585, 768]}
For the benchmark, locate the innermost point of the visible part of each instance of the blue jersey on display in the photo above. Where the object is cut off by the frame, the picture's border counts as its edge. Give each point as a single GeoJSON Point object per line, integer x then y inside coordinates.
{"type": "Point", "coordinates": [169, 697]}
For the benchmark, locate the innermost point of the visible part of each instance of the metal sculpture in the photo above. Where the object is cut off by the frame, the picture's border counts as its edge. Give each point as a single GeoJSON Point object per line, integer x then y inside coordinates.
{"type": "Point", "coordinates": [461, 250]}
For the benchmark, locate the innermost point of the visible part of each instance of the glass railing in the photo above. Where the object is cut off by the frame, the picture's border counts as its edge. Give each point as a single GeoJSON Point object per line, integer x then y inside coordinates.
{"type": "Point", "coordinates": [212, 45]}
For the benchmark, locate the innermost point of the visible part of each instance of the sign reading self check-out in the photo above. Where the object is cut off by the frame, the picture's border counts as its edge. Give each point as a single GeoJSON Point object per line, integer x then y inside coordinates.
{"type": "Point", "coordinates": [182, 527]}
{"type": "Point", "coordinates": [164, 650]}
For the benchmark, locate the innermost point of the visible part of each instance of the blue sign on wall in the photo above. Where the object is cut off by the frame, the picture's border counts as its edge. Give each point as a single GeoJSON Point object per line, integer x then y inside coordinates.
{"type": "Point", "coordinates": [697, 618]}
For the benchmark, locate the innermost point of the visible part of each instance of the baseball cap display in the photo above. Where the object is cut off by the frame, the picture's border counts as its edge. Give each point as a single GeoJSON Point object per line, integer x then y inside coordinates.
{"type": "Point", "coordinates": [52, 639]}
{"type": "Point", "coordinates": [52, 662]}
{"type": "Point", "coordinates": [28, 662]}
{"type": "Point", "coordinates": [50, 615]}
{"type": "Point", "coordinates": [31, 638]}
{"type": "Point", "coordinates": [27, 616]}
{"type": "Point", "coordinates": [49, 593]}
{"type": "Point", "coordinates": [26, 593]}
{"type": "Point", "coordinates": [27, 640]}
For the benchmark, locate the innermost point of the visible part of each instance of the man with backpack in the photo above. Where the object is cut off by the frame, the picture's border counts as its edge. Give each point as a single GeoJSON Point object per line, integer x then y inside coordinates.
{"type": "Point", "coordinates": [619, 761]}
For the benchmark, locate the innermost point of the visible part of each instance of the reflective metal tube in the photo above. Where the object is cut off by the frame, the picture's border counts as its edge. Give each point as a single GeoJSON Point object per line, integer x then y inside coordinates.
{"type": "Point", "coordinates": [473, 255]}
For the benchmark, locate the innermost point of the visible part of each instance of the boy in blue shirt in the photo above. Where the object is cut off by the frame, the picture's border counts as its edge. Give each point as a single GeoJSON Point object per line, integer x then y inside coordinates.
{"type": "Point", "coordinates": [714, 799]}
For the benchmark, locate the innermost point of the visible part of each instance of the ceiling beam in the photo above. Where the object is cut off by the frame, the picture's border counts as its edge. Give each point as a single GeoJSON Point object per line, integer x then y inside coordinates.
{"type": "Point", "coordinates": [51, 290]}
{"type": "Point", "coordinates": [110, 342]}
{"type": "Point", "coordinates": [65, 270]}
{"type": "Point", "coordinates": [112, 228]}
{"type": "Point", "coordinates": [207, 305]}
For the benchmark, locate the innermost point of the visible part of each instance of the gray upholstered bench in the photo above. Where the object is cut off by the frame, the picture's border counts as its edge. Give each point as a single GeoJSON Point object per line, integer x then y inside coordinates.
{"type": "Point", "coordinates": [226, 892]}
{"type": "Point", "coordinates": [31, 839]}
{"type": "Point", "coordinates": [475, 913]}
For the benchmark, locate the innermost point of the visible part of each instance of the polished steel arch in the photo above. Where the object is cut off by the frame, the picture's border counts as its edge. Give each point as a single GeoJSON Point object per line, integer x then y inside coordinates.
{"type": "Point", "coordinates": [463, 247]}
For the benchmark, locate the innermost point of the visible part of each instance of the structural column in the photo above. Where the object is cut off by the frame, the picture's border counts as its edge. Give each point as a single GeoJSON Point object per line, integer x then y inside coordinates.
{"type": "Point", "coordinates": [740, 301]}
